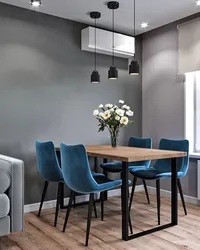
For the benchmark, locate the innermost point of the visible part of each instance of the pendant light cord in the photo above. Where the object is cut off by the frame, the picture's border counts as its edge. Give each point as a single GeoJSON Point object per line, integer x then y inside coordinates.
{"type": "Point", "coordinates": [95, 54]}
{"type": "Point", "coordinates": [134, 19]}
{"type": "Point", "coordinates": [113, 21]}
{"type": "Point", "coordinates": [134, 25]}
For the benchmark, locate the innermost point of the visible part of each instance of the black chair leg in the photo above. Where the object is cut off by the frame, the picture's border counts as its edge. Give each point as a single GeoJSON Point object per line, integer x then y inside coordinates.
{"type": "Point", "coordinates": [57, 204]}
{"type": "Point", "coordinates": [95, 209]}
{"type": "Point", "coordinates": [68, 210]}
{"type": "Point", "coordinates": [43, 196]}
{"type": "Point", "coordinates": [74, 200]}
{"type": "Point", "coordinates": [102, 205]}
{"type": "Point", "coordinates": [89, 218]}
{"type": "Point", "coordinates": [146, 191]}
{"type": "Point", "coordinates": [158, 199]}
{"type": "Point", "coordinates": [106, 192]}
{"type": "Point", "coordinates": [181, 194]}
{"type": "Point", "coordinates": [132, 192]}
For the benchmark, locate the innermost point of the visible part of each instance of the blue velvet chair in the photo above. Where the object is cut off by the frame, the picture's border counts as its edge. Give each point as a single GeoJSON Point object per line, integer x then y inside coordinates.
{"type": "Point", "coordinates": [162, 169]}
{"type": "Point", "coordinates": [49, 169]}
{"type": "Point", "coordinates": [116, 167]}
{"type": "Point", "coordinates": [79, 178]}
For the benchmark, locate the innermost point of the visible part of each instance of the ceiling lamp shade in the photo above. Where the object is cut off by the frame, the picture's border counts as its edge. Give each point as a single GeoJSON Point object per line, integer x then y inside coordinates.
{"type": "Point", "coordinates": [95, 77]}
{"type": "Point", "coordinates": [134, 67]}
{"type": "Point", "coordinates": [36, 3]}
{"type": "Point", "coordinates": [113, 72]}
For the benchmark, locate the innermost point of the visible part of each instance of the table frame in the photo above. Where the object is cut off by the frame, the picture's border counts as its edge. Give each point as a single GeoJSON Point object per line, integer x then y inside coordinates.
{"type": "Point", "coordinates": [125, 209]}
{"type": "Point", "coordinates": [124, 200]}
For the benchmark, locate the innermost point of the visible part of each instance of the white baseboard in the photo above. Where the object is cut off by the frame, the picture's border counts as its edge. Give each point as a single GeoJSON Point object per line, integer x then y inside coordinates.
{"type": "Point", "coordinates": [165, 193]}
{"type": "Point", "coordinates": [51, 204]}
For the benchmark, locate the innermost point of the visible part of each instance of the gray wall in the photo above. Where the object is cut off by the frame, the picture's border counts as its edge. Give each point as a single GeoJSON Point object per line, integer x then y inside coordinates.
{"type": "Point", "coordinates": [163, 94]}
{"type": "Point", "coordinates": [45, 89]}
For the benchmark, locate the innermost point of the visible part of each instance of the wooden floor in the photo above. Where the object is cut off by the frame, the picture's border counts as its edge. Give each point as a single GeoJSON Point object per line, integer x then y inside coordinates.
{"type": "Point", "coordinates": [39, 233]}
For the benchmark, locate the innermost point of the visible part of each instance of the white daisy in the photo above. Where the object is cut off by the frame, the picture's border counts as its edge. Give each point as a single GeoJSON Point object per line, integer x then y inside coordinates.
{"type": "Point", "coordinates": [120, 112]}
{"type": "Point", "coordinates": [126, 107]}
{"type": "Point", "coordinates": [106, 115]}
{"type": "Point", "coordinates": [109, 106]}
{"type": "Point", "coordinates": [129, 113]}
{"type": "Point", "coordinates": [117, 117]}
{"type": "Point", "coordinates": [124, 120]}
{"type": "Point", "coordinates": [121, 101]}
{"type": "Point", "coordinates": [96, 112]}
{"type": "Point", "coordinates": [101, 106]}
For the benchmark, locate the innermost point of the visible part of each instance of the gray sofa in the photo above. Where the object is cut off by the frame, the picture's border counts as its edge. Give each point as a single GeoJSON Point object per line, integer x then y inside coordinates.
{"type": "Point", "coordinates": [11, 195]}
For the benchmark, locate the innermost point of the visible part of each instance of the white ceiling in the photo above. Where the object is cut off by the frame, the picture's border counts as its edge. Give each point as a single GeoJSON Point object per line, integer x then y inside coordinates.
{"type": "Point", "coordinates": [155, 12]}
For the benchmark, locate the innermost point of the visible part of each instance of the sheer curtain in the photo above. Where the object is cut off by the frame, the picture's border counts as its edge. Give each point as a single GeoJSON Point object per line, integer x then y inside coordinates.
{"type": "Point", "coordinates": [197, 111]}
{"type": "Point", "coordinates": [192, 110]}
{"type": "Point", "coordinates": [189, 46]}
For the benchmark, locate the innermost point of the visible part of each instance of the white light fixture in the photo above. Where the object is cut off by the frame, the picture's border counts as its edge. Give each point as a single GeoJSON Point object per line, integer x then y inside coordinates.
{"type": "Point", "coordinates": [35, 3]}
{"type": "Point", "coordinates": [198, 3]}
{"type": "Point", "coordinates": [144, 25]}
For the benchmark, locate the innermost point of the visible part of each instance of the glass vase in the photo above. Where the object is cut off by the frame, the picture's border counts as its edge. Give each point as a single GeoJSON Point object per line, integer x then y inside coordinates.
{"type": "Point", "coordinates": [114, 137]}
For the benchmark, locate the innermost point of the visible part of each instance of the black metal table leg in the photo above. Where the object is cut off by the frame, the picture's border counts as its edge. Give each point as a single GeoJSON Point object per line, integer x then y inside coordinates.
{"type": "Point", "coordinates": [174, 195]}
{"type": "Point", "coordinates": [174, 205]}
{"type": "Point", "coordinates": [105, 173]}
{"type": "Point", "coordinates": [125, 210]}
{"type": "Point", "coordinates": [95, 164]}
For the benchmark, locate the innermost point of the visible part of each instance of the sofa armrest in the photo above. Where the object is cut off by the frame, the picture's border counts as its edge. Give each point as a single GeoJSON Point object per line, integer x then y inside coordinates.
{"type": "Point", "coordinates": [15, 168]}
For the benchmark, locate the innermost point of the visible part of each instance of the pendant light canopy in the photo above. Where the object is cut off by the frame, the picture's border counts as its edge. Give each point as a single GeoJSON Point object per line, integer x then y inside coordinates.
{"type": "Point", "coordinates": [113, 72]}
{"type": "Point", "coordinates": [134, 67]}
{"type": "Point", "coordinates": [95, 77]}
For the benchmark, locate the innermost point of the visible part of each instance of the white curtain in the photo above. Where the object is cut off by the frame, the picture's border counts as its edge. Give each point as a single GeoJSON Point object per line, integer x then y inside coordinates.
{"type": "Point", "coordinates": [189, 46]}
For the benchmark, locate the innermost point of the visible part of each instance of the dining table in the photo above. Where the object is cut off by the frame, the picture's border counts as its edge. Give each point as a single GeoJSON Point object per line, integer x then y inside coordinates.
{"type": "Point", "coordinates": [133, 154]}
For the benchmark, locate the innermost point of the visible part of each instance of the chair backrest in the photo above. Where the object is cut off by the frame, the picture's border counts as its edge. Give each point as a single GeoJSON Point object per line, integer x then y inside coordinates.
{"type": "Point", "coordinates": [140, 143]}
{"type": "Point", "coordinates": [47, 162]}
{"type": "Point", "coordinates": [76, 169]}
{"type": "Point", "coordinates": [176, 145]}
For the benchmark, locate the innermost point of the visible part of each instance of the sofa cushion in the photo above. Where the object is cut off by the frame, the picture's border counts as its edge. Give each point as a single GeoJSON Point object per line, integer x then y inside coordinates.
{"type": "Point", "coordinates": [4, 181]}
{"type": "Point", "coordinates": [4, 205]}
{"type": "Point", "coordinates": [4, 226]}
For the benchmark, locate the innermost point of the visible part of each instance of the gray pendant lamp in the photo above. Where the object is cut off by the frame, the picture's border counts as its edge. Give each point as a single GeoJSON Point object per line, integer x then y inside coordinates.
{"type": "Point", "coordinates": [134, 67]}
{"type": "Point", "coordinates": [95, 77]}
{"type": "Point", "coordinates": [113, 72]}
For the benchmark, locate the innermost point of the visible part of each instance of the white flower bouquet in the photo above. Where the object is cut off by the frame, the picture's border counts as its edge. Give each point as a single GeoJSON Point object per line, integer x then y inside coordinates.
{"type": "Point", "coordinates": [113, 118]}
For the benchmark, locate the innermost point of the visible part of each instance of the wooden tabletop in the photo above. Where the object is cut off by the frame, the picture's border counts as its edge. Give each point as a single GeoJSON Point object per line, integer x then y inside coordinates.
{"type": "Point", "coordinates": [130, 154]}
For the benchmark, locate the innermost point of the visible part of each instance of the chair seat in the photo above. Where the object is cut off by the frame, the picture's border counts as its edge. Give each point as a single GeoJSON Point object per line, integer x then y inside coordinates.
{"type": "Point", "coordinates": [113, 167]}
{"type": "Point", "coordinates": [116, 167]}
{"type": "Point", "coordinates": [133, 169]}
{"type": "Point", "coordinates": [153, 174]}
{"type": "Point", "coordinates": [100, 179]}
{"type": "Point", "coordinates": [96, 174]}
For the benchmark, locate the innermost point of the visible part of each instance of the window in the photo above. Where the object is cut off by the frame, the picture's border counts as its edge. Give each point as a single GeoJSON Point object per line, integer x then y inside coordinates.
{"type": "Point", "coordinates": [192, 110]}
